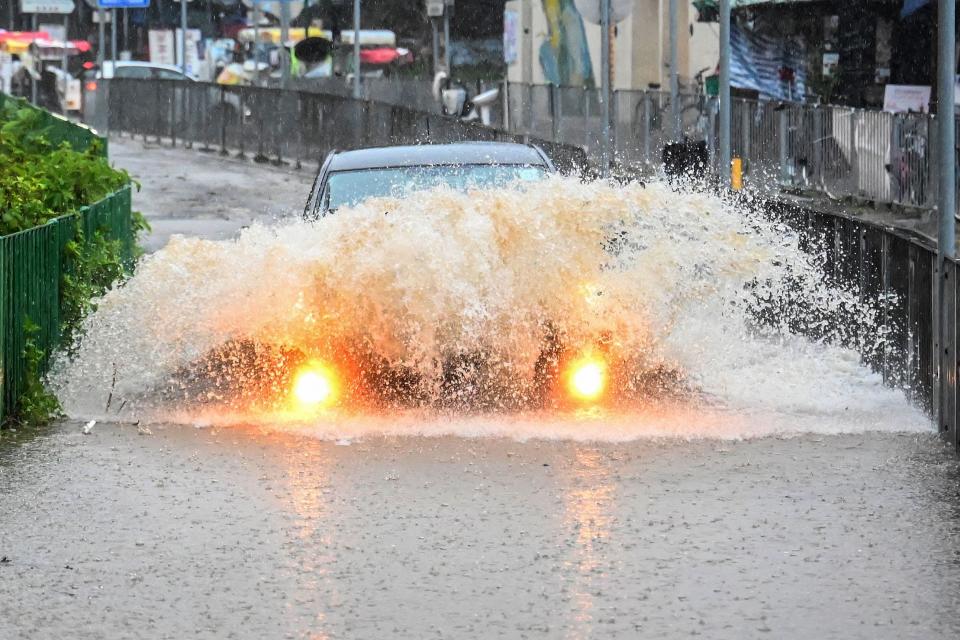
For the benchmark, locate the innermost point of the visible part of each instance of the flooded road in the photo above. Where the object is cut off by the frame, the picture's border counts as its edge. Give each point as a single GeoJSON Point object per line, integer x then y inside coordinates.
{"type": "Point", "coordinates": [243, 533]}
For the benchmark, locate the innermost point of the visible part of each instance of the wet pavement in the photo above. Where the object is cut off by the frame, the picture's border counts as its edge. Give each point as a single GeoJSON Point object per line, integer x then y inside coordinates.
{"type": "Point", "coordinates": [242, 533]}
{"type": "Point", "coordinates": [190, 192]}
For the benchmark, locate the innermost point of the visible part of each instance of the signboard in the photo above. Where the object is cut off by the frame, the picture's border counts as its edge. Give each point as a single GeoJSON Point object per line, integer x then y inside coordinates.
{"type": "Point", "coordinates": [57, 31]}
{"type": "Point", "coordinates": [900, 98]}
{"type": "Point", "coordinates": [435, 8]}
{"type": "Point", "coordinates": [511, 35]}
{"type": "Point", "coordinates": [46, 6]}
{"type": "Point", "coordinates": [194, 38]}
{"type": "Point", "coordinates": [161, 46]}
{"type": "Point", "coordinates": [591, 10]}
{"type": "Point", "coordinates": [123, 4]}
{"type": "Point", "coordinates": [831, 60]}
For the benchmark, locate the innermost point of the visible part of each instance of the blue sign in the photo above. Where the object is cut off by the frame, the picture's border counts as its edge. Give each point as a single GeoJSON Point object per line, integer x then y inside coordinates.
{"type": "Point", "coordinates": [123, 4]}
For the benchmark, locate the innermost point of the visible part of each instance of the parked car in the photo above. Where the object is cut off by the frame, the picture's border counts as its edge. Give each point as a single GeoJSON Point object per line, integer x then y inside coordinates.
{"type": "Point", "coordinates": [94, 99]}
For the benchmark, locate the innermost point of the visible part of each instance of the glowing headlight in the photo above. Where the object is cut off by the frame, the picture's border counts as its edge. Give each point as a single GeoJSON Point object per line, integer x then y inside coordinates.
{"type": "Point", "coordinates": [587, 379]}
{"type": "Point", "coordinates": [315, 385]}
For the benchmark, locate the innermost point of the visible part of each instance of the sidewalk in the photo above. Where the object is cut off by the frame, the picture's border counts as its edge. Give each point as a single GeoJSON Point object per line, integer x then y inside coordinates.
{"type": "Point", "coordinates": [185, 191]}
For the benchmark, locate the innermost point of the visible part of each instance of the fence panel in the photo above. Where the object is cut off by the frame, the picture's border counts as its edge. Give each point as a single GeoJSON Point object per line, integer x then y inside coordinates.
{"type": "Point", "coordinates": [288, 126]}
{"type": "Point", "coordinates": [32, 266]}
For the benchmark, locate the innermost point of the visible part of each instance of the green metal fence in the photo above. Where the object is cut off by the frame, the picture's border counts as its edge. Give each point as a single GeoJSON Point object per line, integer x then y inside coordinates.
{"type": "Point", "coordinates": [32, 266]}
{"type": "Point", "coordinates": [34, 262]}
{"type": "Point", "coordinates": [59, 129]}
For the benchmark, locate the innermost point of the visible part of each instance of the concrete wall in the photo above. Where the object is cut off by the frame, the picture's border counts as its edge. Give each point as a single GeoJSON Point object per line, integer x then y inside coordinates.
{"type": "Point", "coordinates": [641, 44]}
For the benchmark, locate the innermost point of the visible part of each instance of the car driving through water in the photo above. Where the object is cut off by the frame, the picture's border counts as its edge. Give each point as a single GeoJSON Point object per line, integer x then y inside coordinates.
{"type": "Point", "coordinates": [562, 372]}
{"type": "Point", "coordinates": [347, 178]}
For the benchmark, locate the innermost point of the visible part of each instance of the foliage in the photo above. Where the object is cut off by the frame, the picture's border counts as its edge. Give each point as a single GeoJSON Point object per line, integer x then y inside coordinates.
{"type": "Point", "coordinates": [36, 405]}
{"type": "Point", "coordinates": [94, 265]}
{"type": "Point", "coordinates": [40, 181]}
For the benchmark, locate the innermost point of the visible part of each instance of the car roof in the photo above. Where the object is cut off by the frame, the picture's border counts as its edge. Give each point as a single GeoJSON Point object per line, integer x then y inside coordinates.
{"type": "Point", "coordinates": [460, 153]}
{"type": "Point", "coordinates": [110, 65]}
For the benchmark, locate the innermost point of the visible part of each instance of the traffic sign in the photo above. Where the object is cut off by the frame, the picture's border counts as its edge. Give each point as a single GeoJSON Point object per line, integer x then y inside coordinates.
{"type": "Point", "coordinates": [123, 4]}
{"type": "Point", "coordinates": [46, 6]}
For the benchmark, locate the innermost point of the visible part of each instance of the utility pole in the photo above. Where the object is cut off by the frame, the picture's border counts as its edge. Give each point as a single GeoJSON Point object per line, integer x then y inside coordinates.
{"type": "Point", "coordinates": [36, 64]}
{"type": "Point", "coordinates": [113, 37]}
{"type": "Point", "coordinates": [446, 36]}
{"type": "Point", "coordinates": [605, 87]}
{"type": "Point", "coordinates": [725, 105]}
{"type": "Point", "coordinates": [674, 75]}
{"type": "Point", "coordinates": [183, 36]}
{"type": "Point", "coordinates": [256, 43]}
{"type": "Point", "coordinates": [947, 206]}
{"type": "Point", "coordinates": [101, 37]}
{"type": "Point", "coordinates": [284, 38]}
{"type": "Point", "coordinates": [356, 49]}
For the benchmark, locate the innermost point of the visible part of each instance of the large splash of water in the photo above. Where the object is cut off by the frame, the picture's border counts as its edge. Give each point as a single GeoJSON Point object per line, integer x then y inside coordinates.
{"type": "Point", "coordinates": [666, 281]}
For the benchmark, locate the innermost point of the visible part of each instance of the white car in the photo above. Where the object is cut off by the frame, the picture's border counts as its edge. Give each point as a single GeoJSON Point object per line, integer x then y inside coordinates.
{"type": "Point", "coordinates": [93, 99]}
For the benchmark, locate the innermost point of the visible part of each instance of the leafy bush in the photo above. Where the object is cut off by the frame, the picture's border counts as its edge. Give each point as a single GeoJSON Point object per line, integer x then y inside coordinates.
{"type": "Point", "coordinates": [40, 181]}
{"type": "Point", "coordinates": [36, 405]}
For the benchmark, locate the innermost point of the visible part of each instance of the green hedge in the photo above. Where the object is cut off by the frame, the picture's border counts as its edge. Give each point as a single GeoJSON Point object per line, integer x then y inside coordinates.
{"type": "Point", "coordinates": [46, 280]}
{"type": "Point", "coordinates": [59, 129]}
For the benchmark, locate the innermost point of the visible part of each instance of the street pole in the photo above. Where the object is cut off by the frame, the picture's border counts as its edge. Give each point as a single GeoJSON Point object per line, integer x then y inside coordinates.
{"type": "Point", "coordinates": [256, 43]}
{"type": "Point", "coordinates": [101, 38]}
{"type": "Point", "coordinates": [605, 87]}
{"type": "Point", "coordinates": [36, 64]}
{"type": "Point", "coordinates": [946, 238]}
{"type": "Point", "coordinates": [284, 37]}
{"type": "Point", "coordinates": [446, 39]}
{"type": "Point", "coordinates": [183, 36]}
{"type": "Point", "coordinates": [436, 45]}
{"type": "Point", "coordinates": [113, 37]}
{"type": "Point", "coordinates": [63, 58]}
{"type": "Point", "coordinates": [724, 96]}
{"type": "Point", "coordinates": [356, 49]}
{"type": "Point", "coordinates": [674, 75]}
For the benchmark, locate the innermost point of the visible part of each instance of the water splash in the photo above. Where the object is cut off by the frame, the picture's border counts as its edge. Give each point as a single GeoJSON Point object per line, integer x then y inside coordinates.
{"type": "Point", "coordinates": [679, 289]}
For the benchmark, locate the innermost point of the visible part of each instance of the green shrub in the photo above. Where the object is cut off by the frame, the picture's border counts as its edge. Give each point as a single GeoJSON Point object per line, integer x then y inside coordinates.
{"type": "Point", "coordinates": [40, 181]}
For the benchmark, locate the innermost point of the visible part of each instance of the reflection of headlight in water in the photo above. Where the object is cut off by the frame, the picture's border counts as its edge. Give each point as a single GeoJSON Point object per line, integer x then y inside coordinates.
{"type": "Point", "coordinates": [587, 379]}
{"type": "Point", "coordinates": [315, 385]}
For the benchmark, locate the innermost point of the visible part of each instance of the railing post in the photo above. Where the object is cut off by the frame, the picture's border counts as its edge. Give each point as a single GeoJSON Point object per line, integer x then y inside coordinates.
{"type": "Point", "coordinates": [946, 238]}
{"type": "Point", "coordinates": [646, 128]}
{"type": "Point", "coordinates": [223, 120]}
{"type": "Point", "coordinates": [783, 133]}
{"type": "Point", "coordinates": [745, 112]}
{"type": "Point", "coordinates": [854, 154]}
{"type": "Point", "coordinates": [555, 111]}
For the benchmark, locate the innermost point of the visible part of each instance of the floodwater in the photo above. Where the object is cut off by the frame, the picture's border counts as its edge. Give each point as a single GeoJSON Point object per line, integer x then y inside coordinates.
{"type": "Point", "coordinates": [248, 533]}
{"type": "Point", "coordinates": [775, 487]}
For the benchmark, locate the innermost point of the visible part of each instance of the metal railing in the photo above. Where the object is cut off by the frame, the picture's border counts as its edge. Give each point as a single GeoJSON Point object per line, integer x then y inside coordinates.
{"type": "Point", "coordinates": [32, 266]}
{"type": "Point", "coordinates": [288, 126]}
{"type": "Point", "coordinates": [838, 151]}
{"type": "Point", "coordinates": [896, 273]}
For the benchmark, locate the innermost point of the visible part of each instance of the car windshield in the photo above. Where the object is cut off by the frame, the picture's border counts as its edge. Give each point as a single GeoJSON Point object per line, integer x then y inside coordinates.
{"type": "Point", "coordinates": [346, 188]}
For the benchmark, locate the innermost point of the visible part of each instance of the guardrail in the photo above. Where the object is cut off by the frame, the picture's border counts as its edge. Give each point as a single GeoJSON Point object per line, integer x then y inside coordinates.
{"type": "Point", "coordinates": [838, 151]}
{"type": "Point", "coordinates": [897, 273]}
{"type": "Point", "coordinates": [33, 263]}
{"type": "Point", "coordinates": [292, 126]}
{"type": "Point", "coordinates": [32, 266]}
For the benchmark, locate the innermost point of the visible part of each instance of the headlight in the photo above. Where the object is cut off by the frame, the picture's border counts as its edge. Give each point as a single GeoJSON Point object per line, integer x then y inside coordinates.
{"type": "Point", "coordinates": [587, 378]}
{"type": "Point", "coordinates": [315, 385]}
